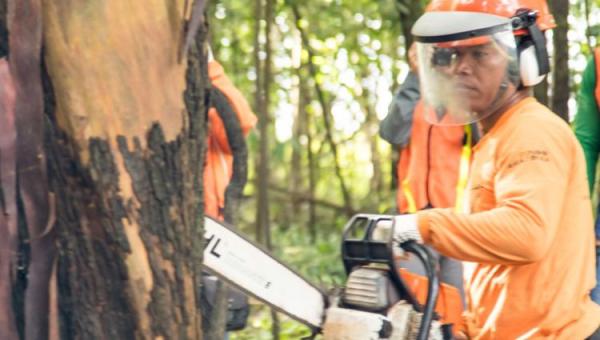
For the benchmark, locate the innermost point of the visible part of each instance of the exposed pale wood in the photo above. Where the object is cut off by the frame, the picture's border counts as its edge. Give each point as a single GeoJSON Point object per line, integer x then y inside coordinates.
{"type": "Point", "coordinates": [114, 68]}
{"type": "Point", "coordinates": [126, 146]}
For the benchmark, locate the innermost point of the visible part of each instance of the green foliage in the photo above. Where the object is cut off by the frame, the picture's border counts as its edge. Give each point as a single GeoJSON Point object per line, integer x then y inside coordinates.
{"type": "Point", "coordinates": [319, 262]}
{"type": "Point", "coordinates": [359, 51]}
{"type": "Point", "coordinates": [260, 325]}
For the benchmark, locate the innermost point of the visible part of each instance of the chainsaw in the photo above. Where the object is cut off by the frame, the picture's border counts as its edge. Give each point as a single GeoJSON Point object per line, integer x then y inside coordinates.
{"type": "Point", "coordinates": [375, 302]}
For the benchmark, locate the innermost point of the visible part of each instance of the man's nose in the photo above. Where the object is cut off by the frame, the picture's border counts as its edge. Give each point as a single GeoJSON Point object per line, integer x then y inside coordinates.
{"type": "Point", "coordinates": [464, 64]}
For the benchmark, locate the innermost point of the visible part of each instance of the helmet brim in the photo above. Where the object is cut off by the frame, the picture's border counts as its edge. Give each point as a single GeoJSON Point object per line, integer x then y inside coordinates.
{"type": "Point", "coordinates": [434, 27]}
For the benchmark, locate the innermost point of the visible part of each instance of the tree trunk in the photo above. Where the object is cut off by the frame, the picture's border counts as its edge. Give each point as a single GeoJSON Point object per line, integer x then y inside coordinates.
{"type": "Point", "coordinates": [305, 117]}
{"type": "Point", "coordinates": [588, 38]}
{"type": "Point", "coordinates": [262, 199]}
{"type": "Point", "coordinates": [3, 29]}
{"type": "Point", "coordinates": [541, 91]}
{"type": "Point", "coordinates": [312, 175]}
{"type": "Point", "coordinates": [371, 129]}
{"type": "Point", "coordinates": [299, 132]}
{"type": "Point", "coordinates": [560, 69]}
{"type": "Point", "coordinates": [28, 207]}
{"type": "Point", "coordinates": [124, 141]}
{"type": "Point", "coordinates": [8, 212]}
{"type": "Point", "coordinates": [409, 11]}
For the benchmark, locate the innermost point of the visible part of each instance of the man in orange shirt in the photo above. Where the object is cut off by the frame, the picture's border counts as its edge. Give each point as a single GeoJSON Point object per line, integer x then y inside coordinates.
{"type": "Point", "coordinates": [432, 172]}
{"type": "Point", "coordinates": [230, 118]}
{"type": "Point", "coordinates": [527, 223]}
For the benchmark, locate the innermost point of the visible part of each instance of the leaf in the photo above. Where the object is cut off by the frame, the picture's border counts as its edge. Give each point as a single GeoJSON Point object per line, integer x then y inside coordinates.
{"type": "Point", "coordinates": [593, 30]}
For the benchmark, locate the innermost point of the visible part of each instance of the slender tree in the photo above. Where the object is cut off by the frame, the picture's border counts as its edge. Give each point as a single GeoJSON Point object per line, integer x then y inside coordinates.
{"type": "Point", "coordinates": [408, 11]}
{"type": "Point", "coordinates": [312, 68]}
{"type": "Point", "coordinates": [560, 69]}
{"type": "Point", "coordinates": [541, 91]}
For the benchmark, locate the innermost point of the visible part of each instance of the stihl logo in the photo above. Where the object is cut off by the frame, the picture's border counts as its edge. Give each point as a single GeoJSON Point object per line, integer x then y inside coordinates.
{"type": "Point", "coordinates": [212, 243]}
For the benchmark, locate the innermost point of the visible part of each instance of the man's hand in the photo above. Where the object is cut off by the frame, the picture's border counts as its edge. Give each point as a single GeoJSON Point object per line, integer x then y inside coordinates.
{"type": "Point", "coordinates": [406, 229]}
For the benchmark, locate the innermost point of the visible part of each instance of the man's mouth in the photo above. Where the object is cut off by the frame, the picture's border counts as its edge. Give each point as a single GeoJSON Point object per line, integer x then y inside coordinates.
{"type": "Point", "coordinates": [463, 87]}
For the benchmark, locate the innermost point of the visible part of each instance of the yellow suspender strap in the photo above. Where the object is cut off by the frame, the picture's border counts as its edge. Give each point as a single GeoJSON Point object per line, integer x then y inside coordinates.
{"type": "Point", "coordinates": [410, 200]}
{"type": "Point", "coordinates": [463, 172]}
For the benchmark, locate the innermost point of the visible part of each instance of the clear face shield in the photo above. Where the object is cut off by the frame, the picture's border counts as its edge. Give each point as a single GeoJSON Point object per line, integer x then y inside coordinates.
{"type": "Point", "coordinates": [465, 76]}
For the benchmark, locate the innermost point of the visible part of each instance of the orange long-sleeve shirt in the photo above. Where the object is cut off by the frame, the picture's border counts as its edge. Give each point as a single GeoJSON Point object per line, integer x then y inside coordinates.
{"type": "Point", "coordinates": [219, 159]}
{"type": "Point", "coordinates": [528, 227]}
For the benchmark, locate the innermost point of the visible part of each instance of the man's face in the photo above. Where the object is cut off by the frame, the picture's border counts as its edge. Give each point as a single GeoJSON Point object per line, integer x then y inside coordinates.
{"type": "Point", "coordinates": [478, 73]}
{"type": "Point", "coordinates": [469, 79]}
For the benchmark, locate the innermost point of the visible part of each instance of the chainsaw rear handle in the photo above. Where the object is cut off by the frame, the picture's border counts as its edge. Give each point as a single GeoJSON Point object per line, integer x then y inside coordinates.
{"type": "Point", "coordinates": [428, 260]}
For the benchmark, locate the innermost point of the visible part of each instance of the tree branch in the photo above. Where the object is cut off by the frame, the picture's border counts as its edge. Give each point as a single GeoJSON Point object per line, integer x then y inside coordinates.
{"type": "Point", "coordinates": [306, 197]}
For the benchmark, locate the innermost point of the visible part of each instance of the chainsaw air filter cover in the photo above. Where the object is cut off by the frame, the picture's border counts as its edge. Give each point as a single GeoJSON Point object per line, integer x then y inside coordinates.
{"type": "Point", "coordinates": [370, 289]}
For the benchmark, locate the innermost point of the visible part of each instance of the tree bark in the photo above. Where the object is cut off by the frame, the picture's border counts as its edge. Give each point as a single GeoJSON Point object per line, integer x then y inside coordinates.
{"type": "Point", "coordinates": [8, 197]}
{"type": "Point", "coordinates": [28, 206]}
{"type": "Point", "coordinates": [560, 70]}
{"type": "Point", "coordinates": [541, 91]}
{"type": "Point", "coordinates": [3, 29]}
{"type": "Point", "coordinates": [125, 146]}
{"type": "Point", "coordinates": [296, 170]}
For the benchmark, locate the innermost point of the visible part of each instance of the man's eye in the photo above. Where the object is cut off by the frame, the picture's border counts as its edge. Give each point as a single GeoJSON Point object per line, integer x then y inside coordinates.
{"type": "Point", "coordinates": [479, 54]}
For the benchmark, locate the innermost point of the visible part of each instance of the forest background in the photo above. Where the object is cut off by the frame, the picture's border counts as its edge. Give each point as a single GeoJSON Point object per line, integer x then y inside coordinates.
{"type": "Point", "coordinates": [321, 75]}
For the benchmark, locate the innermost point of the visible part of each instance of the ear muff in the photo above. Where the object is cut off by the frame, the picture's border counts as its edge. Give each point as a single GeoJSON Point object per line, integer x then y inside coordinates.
{"type": "Point", "coordinates": [534, 62]}
{"type": "Point", "coordinates": [529, 67]}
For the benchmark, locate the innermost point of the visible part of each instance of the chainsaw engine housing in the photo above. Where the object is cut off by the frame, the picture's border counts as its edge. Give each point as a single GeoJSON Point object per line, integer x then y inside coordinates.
{"type": "Point", "coordinates": [375, 302]}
